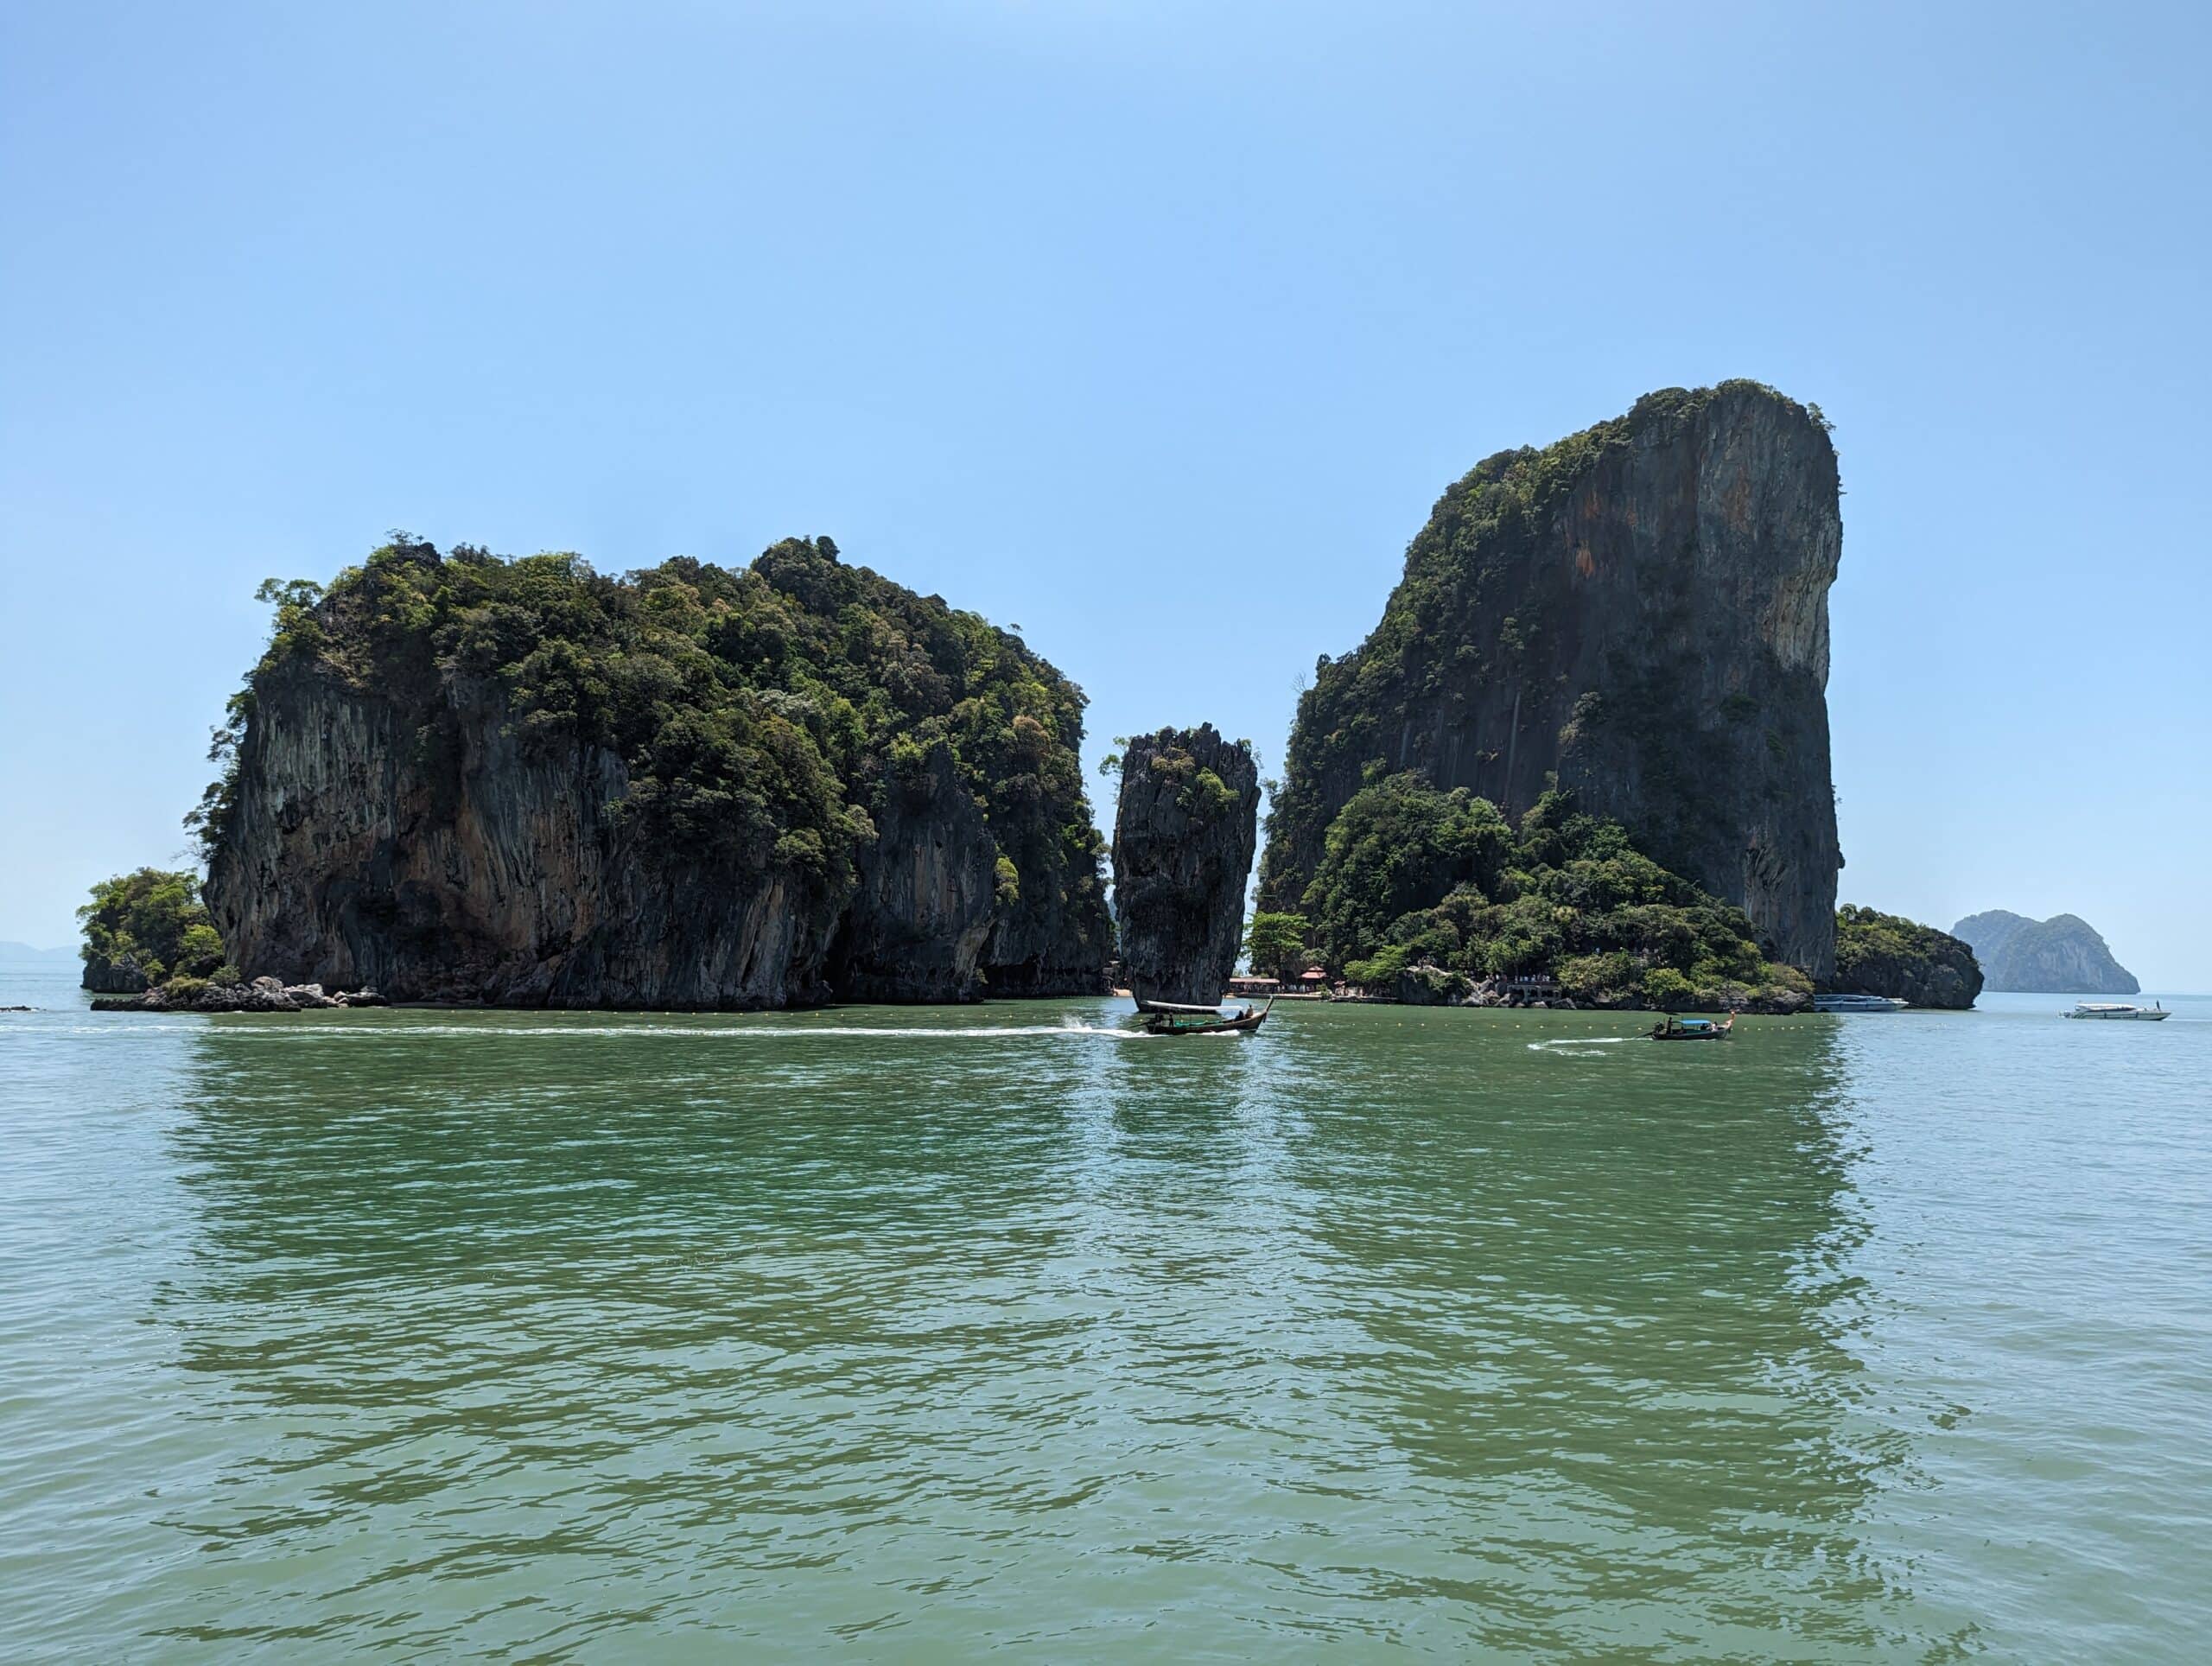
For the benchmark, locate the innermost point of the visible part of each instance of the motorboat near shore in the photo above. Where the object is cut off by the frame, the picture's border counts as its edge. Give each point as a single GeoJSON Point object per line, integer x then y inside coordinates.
{"type": "Point", "coordinates": [1166, 1018]}
{"type": "Point", "coordinates": [2150, 1014]}
{"type": "Point", "coordinates": [1693, 1029]}
{"type": "Point", "coordinates": [1858, 1003]}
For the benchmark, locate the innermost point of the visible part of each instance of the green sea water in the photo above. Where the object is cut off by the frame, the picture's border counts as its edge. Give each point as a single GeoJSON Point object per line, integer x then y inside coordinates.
{"type": "Point", "coordinates": [915, 1333]}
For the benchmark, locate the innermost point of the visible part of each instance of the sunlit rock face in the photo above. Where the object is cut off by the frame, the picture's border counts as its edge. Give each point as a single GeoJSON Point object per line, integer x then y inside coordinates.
{"type": "Point", "coordinates": [1639, 613]}
{"type": "Point", "coordinates": [498, 877]}
{"type": "Point", "coordinates": [463, 779]}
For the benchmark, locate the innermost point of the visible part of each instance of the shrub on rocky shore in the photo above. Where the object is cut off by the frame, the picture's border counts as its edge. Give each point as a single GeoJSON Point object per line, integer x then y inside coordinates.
{"type": "Point", "coordinates": [142, 928]}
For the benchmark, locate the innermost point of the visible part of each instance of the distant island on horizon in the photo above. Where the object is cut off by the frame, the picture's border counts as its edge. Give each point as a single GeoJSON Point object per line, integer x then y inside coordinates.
{"type": "Point", "coordinates": [18, 954]}
{"type": "Point", "coordinates": [2064, 955]}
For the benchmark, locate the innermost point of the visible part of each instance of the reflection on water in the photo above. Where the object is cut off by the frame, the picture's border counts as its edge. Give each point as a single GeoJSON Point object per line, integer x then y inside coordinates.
{"type": "Point", "coordinates": [911, 1331]}
{"type": "Point", "coordinates": [1356, 1331]}
{"type": "Point", "coordinates": [1607, 1320]}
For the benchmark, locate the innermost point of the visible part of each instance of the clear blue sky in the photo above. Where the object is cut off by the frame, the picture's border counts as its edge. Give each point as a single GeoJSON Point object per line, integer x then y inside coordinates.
{"type": "Point", "coordinates": [1064, 309]}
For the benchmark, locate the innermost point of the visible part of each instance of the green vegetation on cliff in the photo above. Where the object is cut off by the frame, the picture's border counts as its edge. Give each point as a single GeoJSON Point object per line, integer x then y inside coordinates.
{"type": "Point", "coordinates": [1888, 955]}
{"type": "Point", "coordinates": [1275, 944]}
{"type": "Point", "coordinates": [148, 928]}
{"type": "Point", "coordinates": [1636, 612]}
{"type": "Point", "coordinates": [1412, 875]}
{"type": "Point", "coordinates": [761, 714]}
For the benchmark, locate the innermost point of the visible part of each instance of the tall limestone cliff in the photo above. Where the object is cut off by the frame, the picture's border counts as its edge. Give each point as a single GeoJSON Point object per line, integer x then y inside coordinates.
{"type": "Point", "coordinates": [2064, 955]}
{"type": "Point", "coordinates": [1184, 833]}
{"type": "Point", "coordinates": [460, 777]}
{"type": "Point", "coordinates": [1638, 613]}
{"type": "Point", "coordinates": [926, 898]}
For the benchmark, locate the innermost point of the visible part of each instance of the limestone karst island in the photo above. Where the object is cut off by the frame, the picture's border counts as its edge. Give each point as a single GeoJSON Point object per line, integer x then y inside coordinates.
{"type": "Point", "coordinates": [1582, 761]}
{"type": "Point", "coordinates": [1139, 833]}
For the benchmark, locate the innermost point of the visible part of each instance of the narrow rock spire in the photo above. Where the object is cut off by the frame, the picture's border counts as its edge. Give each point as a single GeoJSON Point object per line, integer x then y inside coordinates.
{"type": "Point", "coordinates": [1183, 835]}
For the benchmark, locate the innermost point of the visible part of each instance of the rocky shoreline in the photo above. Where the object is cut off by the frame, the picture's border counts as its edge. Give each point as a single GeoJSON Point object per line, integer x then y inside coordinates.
{"type": "Point", "coordinates": [263, 994]}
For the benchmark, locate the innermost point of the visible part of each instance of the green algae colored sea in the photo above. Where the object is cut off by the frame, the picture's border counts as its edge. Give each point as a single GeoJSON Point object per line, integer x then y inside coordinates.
{"type": "Point", "coordinates": [912, 1333]}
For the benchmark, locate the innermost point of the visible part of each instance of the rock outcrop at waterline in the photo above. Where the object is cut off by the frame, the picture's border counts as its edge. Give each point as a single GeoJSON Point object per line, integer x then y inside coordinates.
{"type": "Point", "coordinates": [263, 994]}
{"type": "Point", "coordinates": [115, 977]}
{"type": "Point", "coordinates": [522, 783]}
{"type": "Point", "coordinates": [2064, 955]}
{"type": "Point", "coordinates": [1888, 955]}
{"type": "Point", "coordinates": [1184, 833]}
{"type": "Point", "coordinates": [1637, 614]}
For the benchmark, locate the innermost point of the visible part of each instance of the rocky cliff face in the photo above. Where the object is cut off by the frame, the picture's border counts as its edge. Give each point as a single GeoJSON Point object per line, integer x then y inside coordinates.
{"type": "Point", "coordinates": [2064, 955]}
{"type": "Point", "coordinates": [1639, 611]}
{"type": "Point", "coordinates": [1183, 835]}
{"type": "Point", "coordinates": [1887, 955]}
{"type": "Point", "coordinates": [523, 783]}
{"type": "Point", "coordinates": [1986, 934]}
{"type": "Point", "coordinates": [926, 901]}
{"type": "Point", "coordinates": [122, 975]}
{"type": "Point", "coordinates": [485, 874]}
{"type": "Point", "coordinates": [488, 875]}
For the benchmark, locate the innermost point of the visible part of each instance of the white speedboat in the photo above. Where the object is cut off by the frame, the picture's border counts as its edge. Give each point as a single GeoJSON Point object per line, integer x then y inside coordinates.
{"type": "Point", "coordinates": [1857, 1003]}
{"type": "Point", "coordinates": [2151, 1013]}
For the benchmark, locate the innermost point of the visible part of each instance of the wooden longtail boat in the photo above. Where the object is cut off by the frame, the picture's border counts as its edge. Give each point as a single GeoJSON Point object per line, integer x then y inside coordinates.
{"type": "Point", "coordinates": [1166, 1018]}
{"type": "Point", "coordinates": [1693, 1029]}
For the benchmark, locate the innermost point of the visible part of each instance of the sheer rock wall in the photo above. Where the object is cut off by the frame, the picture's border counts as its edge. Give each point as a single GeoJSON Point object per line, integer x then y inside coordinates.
{"type": "Point", "coordinates": [1184, 834]}
{"type": "Point", "coordinates": [1639, 611]}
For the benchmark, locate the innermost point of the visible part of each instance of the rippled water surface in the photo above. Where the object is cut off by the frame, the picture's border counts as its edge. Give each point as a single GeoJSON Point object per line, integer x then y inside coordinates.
{"type": "Point", "coordinates": [906, 1333]}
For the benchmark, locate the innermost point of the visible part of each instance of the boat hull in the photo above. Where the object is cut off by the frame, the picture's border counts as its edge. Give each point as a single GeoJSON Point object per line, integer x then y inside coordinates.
{"type": "Point", "coordinates": [1160, 1019]}
{"type": "Point", "coordinates": [1674, 1030]}
{"type": "Point", "coordinates": [1857, 1003]}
